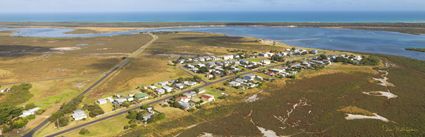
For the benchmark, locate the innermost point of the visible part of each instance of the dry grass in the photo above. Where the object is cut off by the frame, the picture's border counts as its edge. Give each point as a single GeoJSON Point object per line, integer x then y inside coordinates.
{"type": "Point", "coordinates": [355, 110]}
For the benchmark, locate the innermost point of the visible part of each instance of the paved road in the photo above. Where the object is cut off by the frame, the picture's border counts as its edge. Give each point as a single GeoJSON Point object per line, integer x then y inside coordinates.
{"type": "Point", "coordinates": [163, 98]}
{"type": "Point", "coordinates": [102, 79]}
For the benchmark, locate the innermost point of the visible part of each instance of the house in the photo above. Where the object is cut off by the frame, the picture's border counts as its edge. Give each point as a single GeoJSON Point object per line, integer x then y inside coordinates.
{"type": "Point", "coordinates": [152, 87]}
{"type": "Point", "coordinates": [183, 105]}
{"type": "Point", "coordinates": [249, 77]}
{"type": "Point", "coordinates": [130, 99]}
{"type": "Point", "coordinates": [200, 65]}
{"type": "Point", "coordinates": [314, 51]}
{"type": "Point", "coordinates": [141, 95]}
{"type": "Point", "coordinates": [183, 98]}
{"type": "Point", "coordinates": [189, 94]}
{"type": "Point", "coordinates": [167, 88]}
{"type": "Point", "coordinates": [267, 54]}
{"type": "Point", "coordinates": [101, 101]}
{"type": "Point", "coordinates": [189, 83]}
{"type": "Point", "coordinates": [234, 84]}
{"type": "Point", "coordinates": [110, 99]}
{"type": "Point", "coordinates": [179, 85]}
{"type": "Point", "coordinates": [79, 114]}
{"type": "Point", "coordinates": [207, 98]}
{"type": "Point", "coordinates": [147, 117]}
{"type": "Point", "coordinates": [160, 91]}
{"type": "Point", "coordinates": [266, 62]}
{"type": "Point", "coordinates": [29, 112]}
{"type": "Point", "coordinates": [120, 100]}
{"type": "Point", "coordinates": [227, 57]}
{"type": "Point", "coordinates": [5, 90]}
{"type": "Point", "coordinates": [358, 58]}
{"type": "Point", "coordinates": [277, 70]}
{"type": "Point", "coordinates": [165, 83]}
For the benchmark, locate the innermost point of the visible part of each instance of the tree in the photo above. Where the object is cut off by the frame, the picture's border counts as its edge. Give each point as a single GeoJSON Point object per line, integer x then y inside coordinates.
{"type": "Point", "coordinates": [19, 123]}
{"type": "Point", "coordinates": [203, 70]}
{"type": "Point", "coordinates": [323, 56]}
{"type": "Point", "coordinates": [132, 115]}
{"type": "Point", "coordinates": [29, 106]}
{"type": "Point", "coordinates": [139, 116]}
{"type": "Point", "coordinates": [8, 113]}
{"type": "Point", "coordinates": [371, 60]}
{"type": "Point", "coordinates": [277, 58]}
{"type": "Point", "coordinates": [62, 121]}
{"type": "Point", "coordinates": [144, 106]}
{"type": "Point", "coordinates": [94, 110]}
{"type": "Point", "coordinates": [84, 131]}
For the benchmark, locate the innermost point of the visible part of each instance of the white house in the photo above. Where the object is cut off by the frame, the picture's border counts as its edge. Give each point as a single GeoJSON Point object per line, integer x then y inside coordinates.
{"type": "Point", "coordinates": [167, 88]}
{"type": "Point", "coordinates": [189, 83]}
{"type": "Point", "coordinates": [179, 85]}
{"type": "Point", "coordinates": [79, 114]}
{"type": "Point", "coordinates": [165, 83]}
{"type": "Point", "coordinates": [152, 87]}
{"type": "Point", "coordinates": [266, 62]}
{"type": "Point", "coordinates": [160, 91]}
{"type": "Point", "coordinates": [4, 90]}
{"type": "Point", "coordinates": [234, 84]}
{"type": "Point", "coordinates": [29, 112]}
{"type": "Point", "coordinates": [227, 57]}
{"type": "Point", "coordinates": [120, 100]}
{"type": "Point", "coordinates": [101, 101]}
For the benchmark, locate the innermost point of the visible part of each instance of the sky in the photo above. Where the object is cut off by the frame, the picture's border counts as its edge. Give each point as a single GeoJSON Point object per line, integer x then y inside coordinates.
{"type": "Point", "coordinates": [53, 6]}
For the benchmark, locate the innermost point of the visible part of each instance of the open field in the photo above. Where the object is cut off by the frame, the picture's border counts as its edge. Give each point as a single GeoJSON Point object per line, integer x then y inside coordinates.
{"type": "Point", "coordinates": [411, 28]}
{"type": "Point", "coordinates": [60, 68]}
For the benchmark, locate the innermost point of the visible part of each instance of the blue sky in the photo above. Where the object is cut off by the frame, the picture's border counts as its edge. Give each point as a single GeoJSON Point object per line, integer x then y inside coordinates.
{"type": "Point", "coordinates": [31, 6]}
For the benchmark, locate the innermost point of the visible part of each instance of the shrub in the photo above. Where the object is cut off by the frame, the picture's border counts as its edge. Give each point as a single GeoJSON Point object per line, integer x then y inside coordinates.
{"type": "Point", "coordinates": [132, 115]}
{"type": "Point", "coordinates": [62, 121]}
{"type": "Point", "coordinates": [29, 106]}
{"type": "Point", "coordinates": [371, 60]}
{"type": "Point", "coordinates": [84, 131]}
{"type": "Point", "coordinates": [19, 123]}
{"type": "Point", "coordinates": [94, 110]}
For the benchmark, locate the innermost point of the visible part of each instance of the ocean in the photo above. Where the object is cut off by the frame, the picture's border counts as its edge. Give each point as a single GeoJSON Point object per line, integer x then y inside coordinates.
{"type": "Point", "coordinates": [380, 42]}
{"type": "Point", "coordinates": [343, 17]}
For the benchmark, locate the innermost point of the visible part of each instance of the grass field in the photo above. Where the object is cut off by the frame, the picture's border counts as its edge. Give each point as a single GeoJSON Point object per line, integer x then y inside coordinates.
{"type": "Point", "coordinates": [60, 68]}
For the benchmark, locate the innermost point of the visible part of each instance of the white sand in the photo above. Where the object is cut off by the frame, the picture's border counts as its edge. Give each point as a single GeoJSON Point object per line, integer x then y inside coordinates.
{"type": "Point", "coordinates": [356, 117]}
{"type": "Point", "coordinates": [387, 94]}
{"type": "Point", "coordinates": [384, 82]}
{"type": "Point", "coordinates": [65, 48]}
{"type": "Point", "coordinates": [205, 134]}
{"type": "Point", "coordinates": [252, 98]}
{"type": "Point", "coordinates": [267, 133]}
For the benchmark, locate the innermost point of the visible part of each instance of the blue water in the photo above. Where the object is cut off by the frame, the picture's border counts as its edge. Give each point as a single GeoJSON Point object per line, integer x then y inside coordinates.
{"type": "Point", "coordinates": [382, 42]}
{"type": "Point", "coordinates": [218, 17]}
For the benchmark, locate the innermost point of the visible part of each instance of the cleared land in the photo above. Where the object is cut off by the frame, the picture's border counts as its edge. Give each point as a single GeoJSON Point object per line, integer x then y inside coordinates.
{"type": "Point", "coordinates": [59, 68]}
